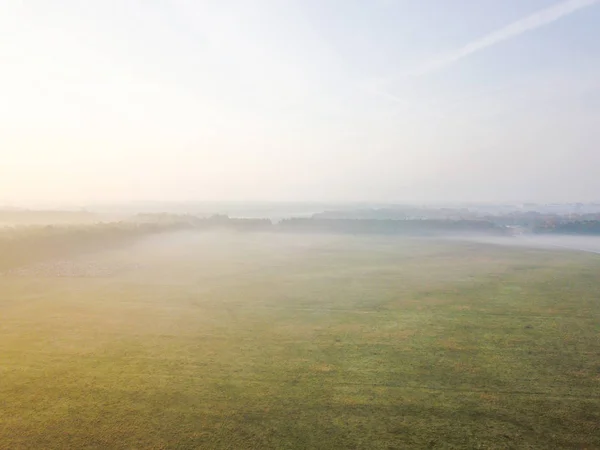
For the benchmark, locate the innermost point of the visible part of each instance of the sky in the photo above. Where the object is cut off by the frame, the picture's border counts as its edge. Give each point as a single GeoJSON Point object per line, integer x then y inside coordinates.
{"type": "Point", "coordinates": [299, 100]}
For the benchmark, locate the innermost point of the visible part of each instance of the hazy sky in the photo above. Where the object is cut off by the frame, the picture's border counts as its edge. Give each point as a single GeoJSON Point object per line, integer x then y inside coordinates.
{"type": "Point", "coordinates": [387, 100]}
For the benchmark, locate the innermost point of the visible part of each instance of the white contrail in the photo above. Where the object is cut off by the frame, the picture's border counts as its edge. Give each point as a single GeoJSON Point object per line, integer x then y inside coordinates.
{"type": "Point", "coordinates": [521, 26]}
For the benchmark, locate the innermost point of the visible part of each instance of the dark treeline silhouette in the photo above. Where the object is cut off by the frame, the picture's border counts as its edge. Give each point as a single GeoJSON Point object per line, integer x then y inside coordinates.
{"type": "Point", "coordinates": [317, 224]}
{"type": "Point", "coordinates": [20, 245]}
{"type": "Point", "coordinates": [377, 226]}
{"type": "Point", "coordinates": [584, 227]}
{"type": "Point", "coordinates": [529, 220]}
{"type": "Point", "coordinates": [534, 220]}
{"type": "Point", "coordinates": [215, 221]}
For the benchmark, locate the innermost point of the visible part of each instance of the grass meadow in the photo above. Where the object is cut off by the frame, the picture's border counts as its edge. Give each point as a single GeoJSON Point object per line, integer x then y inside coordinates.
{"type": "Point", "coordinates": [273, 341]}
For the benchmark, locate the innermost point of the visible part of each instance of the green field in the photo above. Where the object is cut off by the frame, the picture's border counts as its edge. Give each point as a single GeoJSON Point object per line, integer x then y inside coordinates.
{"type": "Point", "coordinates": [250, 341]}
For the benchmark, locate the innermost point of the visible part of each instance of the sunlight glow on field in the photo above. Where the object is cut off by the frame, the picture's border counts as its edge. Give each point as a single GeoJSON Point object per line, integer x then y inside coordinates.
{"type": "Point", "coordinates": [232, 340]}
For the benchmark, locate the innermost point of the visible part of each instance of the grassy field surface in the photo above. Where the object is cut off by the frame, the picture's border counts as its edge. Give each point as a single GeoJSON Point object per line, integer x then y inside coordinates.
{"type": "Point", "coordinates": [250, 341]}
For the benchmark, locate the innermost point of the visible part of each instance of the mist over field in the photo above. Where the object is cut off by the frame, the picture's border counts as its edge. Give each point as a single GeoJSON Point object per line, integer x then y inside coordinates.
{"type": "Point", "coordinates": [589, 244]}
{"type": "Point", "coordinates": [213, 333]}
